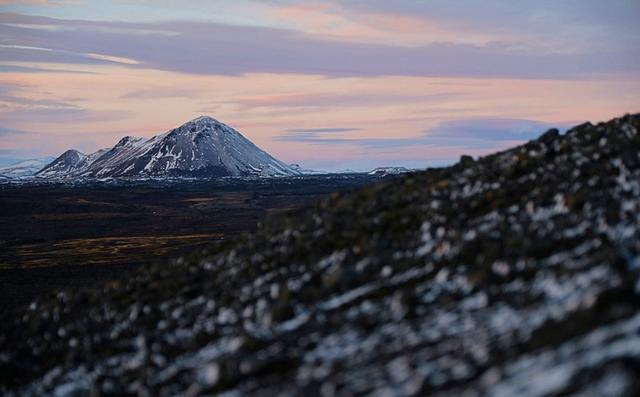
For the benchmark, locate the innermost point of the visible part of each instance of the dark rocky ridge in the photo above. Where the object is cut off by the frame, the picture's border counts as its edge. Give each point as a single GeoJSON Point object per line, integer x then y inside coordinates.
{"type": "Point", "coordinates": [516, 274]}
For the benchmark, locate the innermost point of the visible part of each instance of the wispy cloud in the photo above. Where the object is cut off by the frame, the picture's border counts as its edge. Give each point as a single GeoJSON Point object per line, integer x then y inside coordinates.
{"type": "Point", "coordinates": [163, 92]}
{"type": "Point", "coordinates": [15, 108]}
{"type": "Point", "coordinates": [210, 48]}
{"type": "Point", "coordinates": [476, 133]}
{"type": "Point", "coordinates": [316, 135]}
{"type": "Point", "coordinates": [4, 131]}
{"type": "Point", "coordinates": [489, 129]}
{"type": "Point", "coordinates": [322, 130]}
{"type": "Point", "coordinates": [576, 24]}
{"type": "Point", "coordinates": [19, 53]}
{"type": "Point", "coordinates": [47, 115]}
{"type": "Point", "coordinates": [9, 68]}
{"type": "Point", "coordinates": [333, 99]}
{"type": "Point", "coordinates": [36, 103]}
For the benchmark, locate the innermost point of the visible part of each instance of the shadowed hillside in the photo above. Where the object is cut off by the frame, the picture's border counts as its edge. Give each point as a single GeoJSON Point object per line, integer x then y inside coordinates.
{"type": "Point", "coordinates": [516, 274]}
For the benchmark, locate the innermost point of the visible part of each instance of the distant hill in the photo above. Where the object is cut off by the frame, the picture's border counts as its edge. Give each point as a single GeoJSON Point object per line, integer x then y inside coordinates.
{"type": "Point", "coordinates": [384, 171]}
{"type": "Point", "coordinates": [512, 274]}
{"type": "Point", "coordinates": [24, 168]}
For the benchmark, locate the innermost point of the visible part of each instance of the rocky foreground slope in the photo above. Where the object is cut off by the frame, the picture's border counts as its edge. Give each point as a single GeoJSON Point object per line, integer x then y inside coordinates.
{"type": "Point", "coordinates": [516, 274]}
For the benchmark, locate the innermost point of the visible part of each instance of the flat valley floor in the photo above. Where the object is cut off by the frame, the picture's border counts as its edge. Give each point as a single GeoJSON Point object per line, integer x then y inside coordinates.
{"type": "Point", "coordinates": [61, 235]}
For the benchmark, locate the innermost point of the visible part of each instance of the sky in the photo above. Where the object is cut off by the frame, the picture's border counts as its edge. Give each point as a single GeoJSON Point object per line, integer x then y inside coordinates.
{"type": "Point", "coordinates": [330, 85]}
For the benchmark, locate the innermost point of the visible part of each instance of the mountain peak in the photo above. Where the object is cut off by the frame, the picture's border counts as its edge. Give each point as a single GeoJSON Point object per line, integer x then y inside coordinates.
{"type": "Point", "coordinates": [128, 139]}
{"type": "Point", "coordinates": [72, 153]}
{"type": "Point", "coordinates": [65, 163]}
{"type": "Point", "coordinates": [202, 126]}
{"type": "Point", "coordinates": [204, 119]}
{"type": "Point", "coordinates": [72, 157]}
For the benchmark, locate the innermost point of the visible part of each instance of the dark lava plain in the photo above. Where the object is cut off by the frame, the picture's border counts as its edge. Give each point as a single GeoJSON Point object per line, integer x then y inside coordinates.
{"type": "Point", "coordinates": [70, 234]}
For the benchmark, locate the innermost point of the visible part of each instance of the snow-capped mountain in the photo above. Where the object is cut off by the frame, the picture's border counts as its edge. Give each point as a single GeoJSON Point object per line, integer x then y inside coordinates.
{"type": "Point", "coordinates": [23, 168]}
{"type": "Point", "coordinates": [203, 147]}
{"type": "Point", "coordinates": [383, 171]}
